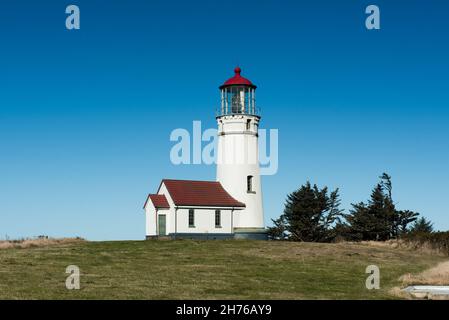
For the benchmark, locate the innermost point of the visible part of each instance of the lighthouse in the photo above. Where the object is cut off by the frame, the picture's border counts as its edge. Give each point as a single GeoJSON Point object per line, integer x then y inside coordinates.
{"type": "Point", "coordinates": [231, 206]}
{"type": "Point", "coordinates": [238, 171]}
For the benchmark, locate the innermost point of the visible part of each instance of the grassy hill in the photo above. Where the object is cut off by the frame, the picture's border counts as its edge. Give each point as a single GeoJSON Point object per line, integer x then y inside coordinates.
{"type": "Point", "coordinates": [205, 270]}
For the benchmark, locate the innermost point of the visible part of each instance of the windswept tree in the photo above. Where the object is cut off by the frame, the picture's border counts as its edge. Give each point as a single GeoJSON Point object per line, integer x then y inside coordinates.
{"type": "Point", "coordinates": [313, 214]}
{"type": "Point", "coordinates": [400, 220]}
{"type": "Point", "coordinates": [371, 221]}
{"type": "Point", "coordinates": [422, 226]}
{"type": "Point", "coordinates": [378, 219]}
{"type": "Point", "coordinates": [404, 219]}
{"type": "Point", "coordinates": [310, 214]}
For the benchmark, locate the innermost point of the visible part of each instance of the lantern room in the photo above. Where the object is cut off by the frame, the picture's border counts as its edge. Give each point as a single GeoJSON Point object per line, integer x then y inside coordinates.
{"type": "Point", "coordinates": [238, 96]}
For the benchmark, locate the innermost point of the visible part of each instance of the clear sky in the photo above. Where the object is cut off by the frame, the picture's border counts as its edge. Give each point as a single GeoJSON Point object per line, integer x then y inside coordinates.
{"type": "Point", "coordinates": [85, 116]}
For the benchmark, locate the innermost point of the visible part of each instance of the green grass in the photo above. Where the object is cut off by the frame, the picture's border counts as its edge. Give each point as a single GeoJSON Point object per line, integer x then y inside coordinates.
{"type": "Point", "coordinates": [205, 270]}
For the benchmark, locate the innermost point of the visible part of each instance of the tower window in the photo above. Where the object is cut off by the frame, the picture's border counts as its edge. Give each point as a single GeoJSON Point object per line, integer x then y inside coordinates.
{"type": "Point", "coordinates": [249, 184]}
{"type": "Point", "coordinates": [217, 218]}
{"type": "Point", "coordinates": [191, 218]}
{"type": "Point", "coordinates": [248, 124]}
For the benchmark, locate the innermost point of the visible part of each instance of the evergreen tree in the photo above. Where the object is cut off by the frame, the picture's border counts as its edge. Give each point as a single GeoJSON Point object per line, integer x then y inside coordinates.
{"type": "Point", "coordinates": [378, 219]}
{"type": "Point", "coordinates": [404, 219]}
{"type": "Point", "coordinates": [279, 229]}
{"type": "Point", "coordinates": [372, 221]}
{"type": "Point", "coordinates": [313, 214]}
{"type": "Point", "coordinates": [392, 220]}
{"type": "Point", "coordinates": [310, 213]}
{"type": "Point", "coordinates": [385, 182]}
{"type": "Point", "coordinates": [421, 226]}
{"type": "Point", "coordinates": [333, 218]}
{"type": "Point", "coordinates": [360, 224]}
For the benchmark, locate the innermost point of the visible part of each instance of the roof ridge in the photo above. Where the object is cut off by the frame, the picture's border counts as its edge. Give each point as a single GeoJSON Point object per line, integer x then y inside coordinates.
{"type": "Point", "coordinates": [188, 180]}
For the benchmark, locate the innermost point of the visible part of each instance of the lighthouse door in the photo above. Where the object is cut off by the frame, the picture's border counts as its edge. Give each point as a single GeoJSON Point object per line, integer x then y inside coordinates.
{"type": "Point", "coordinates": [161, 224]}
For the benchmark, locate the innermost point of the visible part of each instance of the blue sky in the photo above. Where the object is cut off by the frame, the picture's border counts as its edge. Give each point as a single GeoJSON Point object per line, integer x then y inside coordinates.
{"type": "Point", "coordinates": [85, 116]}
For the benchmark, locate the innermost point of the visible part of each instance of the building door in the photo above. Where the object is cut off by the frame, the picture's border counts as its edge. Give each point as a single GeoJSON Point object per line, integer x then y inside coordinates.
{"type": "Point", "coordinates": [161, 224]}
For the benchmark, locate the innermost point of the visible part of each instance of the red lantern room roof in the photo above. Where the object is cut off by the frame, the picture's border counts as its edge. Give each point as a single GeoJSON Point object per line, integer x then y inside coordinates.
{"type": "Point", "coordinates": [237, 80]}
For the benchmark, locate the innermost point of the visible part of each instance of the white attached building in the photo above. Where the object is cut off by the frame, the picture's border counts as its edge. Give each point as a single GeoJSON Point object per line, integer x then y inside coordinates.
{"type": "Point", "coordinates": [191, 209]}
{"type": "Point", "coordinates": [230, 207]}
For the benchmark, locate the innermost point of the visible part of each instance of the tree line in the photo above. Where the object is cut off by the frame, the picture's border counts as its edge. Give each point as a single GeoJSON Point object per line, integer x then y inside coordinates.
{"type": "Point", "coordinates": [312, 214]}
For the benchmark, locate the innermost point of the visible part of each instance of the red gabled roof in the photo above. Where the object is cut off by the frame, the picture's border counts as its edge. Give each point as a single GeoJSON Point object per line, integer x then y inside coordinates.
{"type": "Point", "coordinates": [200, 193]}
{"type": "Point", "coordinates": [237, 79]}
{"type": "Point", "coordinates": [159, 201]}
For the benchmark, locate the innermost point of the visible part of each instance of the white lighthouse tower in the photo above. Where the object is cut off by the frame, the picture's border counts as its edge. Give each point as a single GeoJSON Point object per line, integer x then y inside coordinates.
{"type": "Point", "coordinates": [238, 154]}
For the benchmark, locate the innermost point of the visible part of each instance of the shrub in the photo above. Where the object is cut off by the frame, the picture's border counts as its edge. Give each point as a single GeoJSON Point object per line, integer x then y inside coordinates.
{"type": "Point", "coordinates": [438, 241]}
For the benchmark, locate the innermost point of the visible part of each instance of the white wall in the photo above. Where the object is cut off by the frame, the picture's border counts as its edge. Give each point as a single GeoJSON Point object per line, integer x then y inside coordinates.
{"type": "Point", "coordinates": [150, 214]}
{"type": "Point", "coordinates": [204, 218]}
{"type": "Point", "coordinates": [204, 221]}
{"type": "Point", "coordinates": [150, 219]}
{"type": "Point", "coordinates": [237, 158]}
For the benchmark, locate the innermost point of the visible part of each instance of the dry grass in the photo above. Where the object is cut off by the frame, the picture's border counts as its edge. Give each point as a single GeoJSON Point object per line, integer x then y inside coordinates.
{"type": "Point", "coordinates": [435, 276]}
{"type": "Point", "coordinates": [416, 246]}
{"type": "Point", "coordinates": [34, 243]}
{"type": "Point", "coordinates": [384, 244]}
{"type": "Point", "coordinates": [438, 276]}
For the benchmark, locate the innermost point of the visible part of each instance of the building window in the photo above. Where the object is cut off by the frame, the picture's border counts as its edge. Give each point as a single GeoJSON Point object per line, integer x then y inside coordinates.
{"type": "Point", "coordinates": [217, 218]}
{"type": "Point", "coordinates": [249, 184]}
{"type": "Point", "coordinates": [248, 125]}
{"type": "Point", "coordinates": [191, 218]}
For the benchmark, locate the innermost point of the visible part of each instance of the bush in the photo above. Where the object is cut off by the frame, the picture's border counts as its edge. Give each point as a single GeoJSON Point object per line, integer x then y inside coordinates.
{"type": "Point", "coordinates": [438, 241]}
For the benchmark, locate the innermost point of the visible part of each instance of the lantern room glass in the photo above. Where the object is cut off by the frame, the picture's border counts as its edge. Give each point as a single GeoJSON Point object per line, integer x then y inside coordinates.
{"type": "Point", "coordinates": [238, 100]}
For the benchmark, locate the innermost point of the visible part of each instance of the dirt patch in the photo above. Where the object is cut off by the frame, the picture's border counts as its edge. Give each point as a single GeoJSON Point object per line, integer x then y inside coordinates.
{"type": "Point", "coordinates": [436, 276]}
